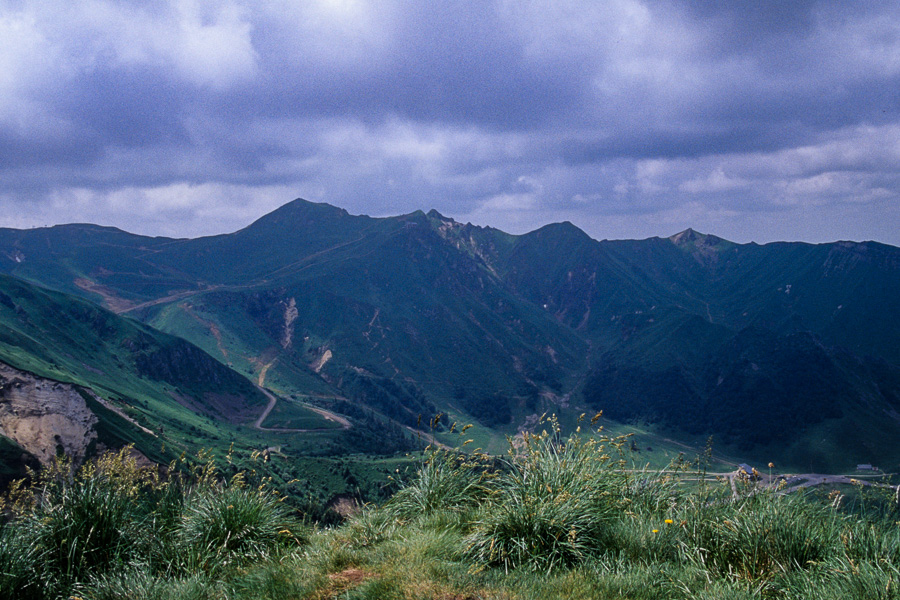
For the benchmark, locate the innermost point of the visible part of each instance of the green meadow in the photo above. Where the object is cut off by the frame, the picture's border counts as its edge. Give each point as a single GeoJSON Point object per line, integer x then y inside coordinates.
{"type": "Point", "coordinates": [552, 518]}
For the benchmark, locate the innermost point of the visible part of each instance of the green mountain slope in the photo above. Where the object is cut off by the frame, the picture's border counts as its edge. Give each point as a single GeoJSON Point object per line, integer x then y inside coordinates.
{"type": "Point", "coordinates": [77, 378]}
{"type": "Point", "coordinates": [152, 383]}
{"type": "Point", "coordinates": [398, 319]}
{"type": "Point", "coordinates": [413, 315]}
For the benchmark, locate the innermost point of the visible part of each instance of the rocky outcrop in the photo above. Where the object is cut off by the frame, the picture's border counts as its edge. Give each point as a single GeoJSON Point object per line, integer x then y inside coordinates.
{"type": "Point", "coordinates": [290, 315]}
{"type": "Point", "coordinates": [43, 416]}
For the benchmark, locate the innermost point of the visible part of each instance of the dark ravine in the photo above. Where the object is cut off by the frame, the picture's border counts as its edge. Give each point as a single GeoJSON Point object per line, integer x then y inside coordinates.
{"type": "Point", "coordinates": [786, 347]}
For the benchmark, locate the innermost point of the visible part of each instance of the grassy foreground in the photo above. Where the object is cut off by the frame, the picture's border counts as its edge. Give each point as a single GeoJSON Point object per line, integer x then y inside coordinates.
{"type": "Point", "coordinates": [552, 519]}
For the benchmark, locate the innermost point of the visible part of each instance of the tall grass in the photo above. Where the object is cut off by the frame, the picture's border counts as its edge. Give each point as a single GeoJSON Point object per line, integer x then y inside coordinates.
{"type": "Point", "coordinates": [553, 518]}
{"type": "Point", "coordinates": [570, 511]}
{"type": "Point", "coordinates": [112, 522]}
{"type": "Point", "coordinates": [18, 561]}
{"type": "Point", "coordinates": [70, 525]}
{"type": "Point", "coordinates": [234, 523]}
{"type": "Point", "coordinates": [552, 505]}
{"type": "Point", "coordinates": [446, 480]}
{"type": "Point", "coordinates": [138, 583]}
{"type": "Point", "coordinates": [759, 537]}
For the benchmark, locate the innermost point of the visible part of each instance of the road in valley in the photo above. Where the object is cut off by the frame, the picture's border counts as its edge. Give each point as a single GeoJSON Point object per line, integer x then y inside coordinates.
{"type": "Point", "coordinates": [260, 382]}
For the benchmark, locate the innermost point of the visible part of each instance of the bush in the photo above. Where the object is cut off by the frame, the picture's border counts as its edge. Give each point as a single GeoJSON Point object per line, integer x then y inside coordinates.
{"type": "Point", "coordinates": [139, 584]}
{"type": "Point", "coordinates": [89, 522]}
{"type": "Point", "coordinates": [18, 566]}
{"type": "Point", "coordinates": [112, 523]}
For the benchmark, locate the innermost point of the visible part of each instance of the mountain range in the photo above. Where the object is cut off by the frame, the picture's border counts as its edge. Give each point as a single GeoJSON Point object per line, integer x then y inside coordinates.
{"type": "Point", "coordinates": [784, 351]}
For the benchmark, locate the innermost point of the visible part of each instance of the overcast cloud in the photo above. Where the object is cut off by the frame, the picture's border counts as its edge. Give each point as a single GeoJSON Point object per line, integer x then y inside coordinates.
{"type": "Point", "coordinates": [755, 121]}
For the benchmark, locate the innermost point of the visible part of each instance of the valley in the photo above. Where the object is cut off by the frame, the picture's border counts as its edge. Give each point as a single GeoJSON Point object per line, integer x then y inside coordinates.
{"type": "Point", "coordinates": [332, 334]}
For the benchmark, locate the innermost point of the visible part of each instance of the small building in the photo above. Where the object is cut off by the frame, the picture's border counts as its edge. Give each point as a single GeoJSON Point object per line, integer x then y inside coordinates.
{"type": "Point", "coordinates": [745, 470]}
{"type": "Point", "coordinates": [865, 467]}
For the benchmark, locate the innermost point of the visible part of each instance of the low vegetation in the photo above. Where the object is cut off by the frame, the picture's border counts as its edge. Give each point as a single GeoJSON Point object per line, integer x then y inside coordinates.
{"type": "Point", "coordinates": [113, 525]}
{"type": "Point", "coordinates": [554, 518]}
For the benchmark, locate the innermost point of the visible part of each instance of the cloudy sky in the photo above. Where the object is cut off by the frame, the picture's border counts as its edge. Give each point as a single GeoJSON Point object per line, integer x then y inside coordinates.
{"type": "Point", "coordinates": [754, 120]}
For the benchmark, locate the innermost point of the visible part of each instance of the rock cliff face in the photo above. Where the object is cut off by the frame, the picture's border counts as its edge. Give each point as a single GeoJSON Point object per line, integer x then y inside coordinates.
{"type": "Point", "coordinates": [44, 416]}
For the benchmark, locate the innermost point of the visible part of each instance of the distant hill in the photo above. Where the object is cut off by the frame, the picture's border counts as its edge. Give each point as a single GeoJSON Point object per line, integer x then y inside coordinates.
{"type": "Point", "coordinates": [786, 351]}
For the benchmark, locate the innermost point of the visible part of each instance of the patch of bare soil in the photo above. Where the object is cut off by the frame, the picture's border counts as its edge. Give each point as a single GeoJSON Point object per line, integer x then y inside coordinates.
{"type": "Point", "coordinates": [346, 506]}
{"type": "Point", "coordinates": [341, 582]}
{"type": "Point", "coordinates": [345, 424]}
{"type": "Point", "coordinates": [213, 328]}
{"type": "Point", "coordinates": [261, 380]}
{"type": "Point", "coordinates": [170, 298]}
{"type": "Point", "coordinates": [113, 302]}
{"type": "Point", "coordinates": [351, 576]}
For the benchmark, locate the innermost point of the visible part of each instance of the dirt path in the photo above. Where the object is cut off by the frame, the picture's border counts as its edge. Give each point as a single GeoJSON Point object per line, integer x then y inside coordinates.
{"type": "Point", "coordinates": [327, 414]}
{"type": "Point", "coordinates": [260, 384]}
{"type": "Point", "coordinates": [164, 299]}
{"type": "Point", "coordinates": [113, 302]}
{"type": "Point", "coordinates": [344, 423]}
{"type": "Point", "coordinates": [267, 409]}
{"type": "Point", "coordinates": [261, 380]}
{"type": "Point", "coordinates": [788, 483]}
{"type": "Point", "coordinates": [807, 480]}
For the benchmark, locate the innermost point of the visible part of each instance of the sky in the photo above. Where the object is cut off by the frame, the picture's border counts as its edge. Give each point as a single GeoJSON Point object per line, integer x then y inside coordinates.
{"type": "Point", "coordinates": [753, 120]}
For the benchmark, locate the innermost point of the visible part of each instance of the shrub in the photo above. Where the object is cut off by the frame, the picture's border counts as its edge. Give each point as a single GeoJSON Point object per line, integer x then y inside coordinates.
{"type": "Point", "coordinates": [112, 523]}
{"type": "Point", "coordinates": [139, 584]}
{"type": "Point", "coordinates": [18, 566]}
{"type": "Point", "coordinates": [89, 522]}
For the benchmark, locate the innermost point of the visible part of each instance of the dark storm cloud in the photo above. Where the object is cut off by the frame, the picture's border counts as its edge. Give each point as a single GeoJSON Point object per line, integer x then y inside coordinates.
{"type": "Point", "coordinates": [127, 107]}
{"type": "Point", "coordinates": [628, 118]}
{"type": "Point", "coordinates": [440, 62]}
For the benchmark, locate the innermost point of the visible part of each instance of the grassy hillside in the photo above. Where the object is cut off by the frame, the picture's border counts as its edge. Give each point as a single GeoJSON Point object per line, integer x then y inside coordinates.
{"type": "Point", "coordinates": [168, 397]}
{"type": "Point", "coordinates": [556, 518]}
{"type": "Point", "coordinates": [765, 347]}
{"type": "Point", "coordinates": [158, 380]}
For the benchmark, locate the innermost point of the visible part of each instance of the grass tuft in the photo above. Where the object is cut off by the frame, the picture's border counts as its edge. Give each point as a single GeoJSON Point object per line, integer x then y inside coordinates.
{"type": "Point", "coordinates": [225, 524]}
{"type": "Point", "coordinates": [445, 481]}
{"type": "Point", "coordinates": [552, 506]}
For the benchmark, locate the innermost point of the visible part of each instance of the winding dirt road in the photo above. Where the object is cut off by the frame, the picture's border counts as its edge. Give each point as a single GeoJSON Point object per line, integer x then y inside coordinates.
{"type": "Point", "coordinates": [344, 423]}
{"type": "Point", "coordinates": [260, 382]}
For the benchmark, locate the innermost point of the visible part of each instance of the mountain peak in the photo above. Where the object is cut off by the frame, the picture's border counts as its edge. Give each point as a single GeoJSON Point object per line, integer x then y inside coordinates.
{"type": "Point", "coordinates": [561, 230]}
{"type": "Point", "coordinates": [695, 238]}
{"type": "Point", "coordinates": [288, 219]}
{"type": "Point", "coordinates": [705, 248]}
{"type": "Point", "coordinates": [302, 208]}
